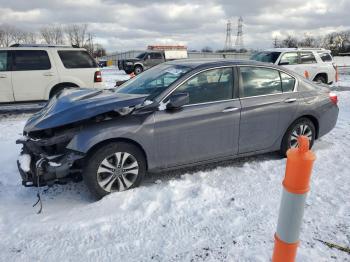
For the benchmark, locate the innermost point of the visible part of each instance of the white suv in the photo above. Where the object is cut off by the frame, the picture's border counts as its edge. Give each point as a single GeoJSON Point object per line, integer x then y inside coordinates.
{"type": "Point", "coordinates": [37, 72]}
{"type": "Point", "coordinates": [316, 63]}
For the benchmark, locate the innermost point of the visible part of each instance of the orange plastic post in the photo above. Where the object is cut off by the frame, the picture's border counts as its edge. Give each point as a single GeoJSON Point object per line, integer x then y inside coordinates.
{"type": "Point", "coordinates": [306, 74]}
{"type": "Point", "coordinates": [336, 74]}
{"type": "Point", "coordinates": [296, 183]}
{"type": "Point", "coordinates": [299, 167]}
{"type": "Point", "coordinates": [284, 252]}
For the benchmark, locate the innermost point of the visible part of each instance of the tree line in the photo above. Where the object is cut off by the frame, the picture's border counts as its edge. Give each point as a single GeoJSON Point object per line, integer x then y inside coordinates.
{"type": "Point", "coordinates": [72, 34]}
{"type": "Point", "coordinates": [337, 42]}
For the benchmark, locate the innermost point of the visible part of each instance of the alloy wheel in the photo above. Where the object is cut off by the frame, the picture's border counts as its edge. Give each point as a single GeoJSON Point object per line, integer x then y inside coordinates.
{"type": "Point", "coordinates": [117, 172]}
{"type": "Point", "coordinates": [300, 130]}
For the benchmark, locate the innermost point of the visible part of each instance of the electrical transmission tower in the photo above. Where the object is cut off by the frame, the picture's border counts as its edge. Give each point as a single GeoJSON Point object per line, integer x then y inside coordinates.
{"type": "Point", "coordinates": [228, 42]}
{"type": "Point", "coordinates": [239, 38]}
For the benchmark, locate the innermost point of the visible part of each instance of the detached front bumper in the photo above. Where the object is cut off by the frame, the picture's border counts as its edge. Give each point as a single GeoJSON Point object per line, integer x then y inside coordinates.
{"type": "Point", "coordinates": [38, 169]}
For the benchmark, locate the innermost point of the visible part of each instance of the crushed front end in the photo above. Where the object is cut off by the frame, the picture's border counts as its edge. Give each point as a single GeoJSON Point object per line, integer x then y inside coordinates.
{"type": "Point", "coordinates": [45, 160]}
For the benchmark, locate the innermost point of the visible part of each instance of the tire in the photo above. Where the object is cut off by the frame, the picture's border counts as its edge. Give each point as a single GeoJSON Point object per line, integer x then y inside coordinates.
{"type": "Point", "coordinates": [288, 140]}
{"type": "Point", "coordinates": [104, 174]}
{"type": "Point", "coordinates": [320, 79]}
{"type": "Point", "coordinates": [138, 70]}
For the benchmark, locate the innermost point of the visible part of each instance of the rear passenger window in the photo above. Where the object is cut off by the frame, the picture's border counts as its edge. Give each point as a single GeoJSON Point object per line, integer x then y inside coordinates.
{"type": "Point", "coordinates": [326, 57]}
{"type": "Point", "coordinates": [307, 58]}
{"type": "Point", "coordinates": [27, 60]}
{"type": "Point", "coordinates": [288, 82]}
{"type": "Point", "coordinates": [209, 86]}
{"type": "Point", "coordinates": [260, 81]}
{"type": "Point", "coordinates": [289, 58]}
{"type": "Point", "coordinates": [3, 61]}
{"type": "Point", "coordinates": [76, 59]}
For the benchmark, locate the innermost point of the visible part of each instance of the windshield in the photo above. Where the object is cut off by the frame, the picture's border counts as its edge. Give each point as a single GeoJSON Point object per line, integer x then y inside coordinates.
{"type": "Point", "coordinates": [140, 56]}
{"type": "Point", "coordinates": [267, 57]}
{"type": "Point", "coordinates": [153, 81]}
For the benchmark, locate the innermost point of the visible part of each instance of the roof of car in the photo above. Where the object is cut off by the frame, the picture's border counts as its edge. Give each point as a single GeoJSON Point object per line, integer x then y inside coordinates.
{"type": "Point", "coordinates": [294, 49]}
{"type": "Point", "coordinates": [205, 62]}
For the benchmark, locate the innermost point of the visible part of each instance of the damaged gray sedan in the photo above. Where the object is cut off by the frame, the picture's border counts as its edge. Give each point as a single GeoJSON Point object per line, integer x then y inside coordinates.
{"type": "Point", "coordinates": [177, 114]}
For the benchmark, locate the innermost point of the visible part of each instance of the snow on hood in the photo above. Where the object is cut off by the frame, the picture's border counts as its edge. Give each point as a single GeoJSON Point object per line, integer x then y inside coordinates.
{"type": "Point", "coordinates": [74, 105]}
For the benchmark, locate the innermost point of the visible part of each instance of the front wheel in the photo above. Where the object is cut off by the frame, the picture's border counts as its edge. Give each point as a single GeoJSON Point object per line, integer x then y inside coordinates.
{"type": "Point", "coordinates": [114, 167]}
{"type": "Point", "coordinates": [138, 70]}
{"type": "Point", "coordinates": [302, 126]}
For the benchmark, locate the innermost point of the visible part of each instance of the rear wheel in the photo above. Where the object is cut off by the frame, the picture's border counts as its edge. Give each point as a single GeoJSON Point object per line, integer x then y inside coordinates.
{"type": "Point", "coordinates": [320, 79]}
{"type": "Point", "coordinates": [302, 126]}
{"type": "Point", "coordinates": [114, 167]}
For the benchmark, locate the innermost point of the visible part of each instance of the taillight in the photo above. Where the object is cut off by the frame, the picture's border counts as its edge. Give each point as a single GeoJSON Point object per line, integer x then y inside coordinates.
{"type": "Point", "coordinates": [98, 77]}
{"type": "Point", "coordinates": [333, 97]}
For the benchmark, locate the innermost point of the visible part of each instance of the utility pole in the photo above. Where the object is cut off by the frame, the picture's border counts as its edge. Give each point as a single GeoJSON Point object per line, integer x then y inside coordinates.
{"type": "Point", "coordinates": [228, 42]}
{"type": "Point", "coordinates": [239, 38]}
{"type": "Point", "coordinates": [275, 42]}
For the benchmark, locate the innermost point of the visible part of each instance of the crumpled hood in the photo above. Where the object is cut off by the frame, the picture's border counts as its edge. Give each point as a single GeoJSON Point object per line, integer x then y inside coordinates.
{"type": "Point", "coordinates": [74, 105]}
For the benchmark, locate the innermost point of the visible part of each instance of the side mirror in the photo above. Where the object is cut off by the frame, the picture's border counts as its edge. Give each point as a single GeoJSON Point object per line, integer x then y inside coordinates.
{"type": "Point", "coordinates": [177, 101]}
{"type": "Point", "coordinates": [284, 63]}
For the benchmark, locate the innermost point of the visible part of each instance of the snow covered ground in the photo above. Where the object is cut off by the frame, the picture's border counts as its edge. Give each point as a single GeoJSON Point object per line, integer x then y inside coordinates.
{"type": "Point", "coordinates": [112, 74]}
{"type": "Point", "coordinates": [223, 212]}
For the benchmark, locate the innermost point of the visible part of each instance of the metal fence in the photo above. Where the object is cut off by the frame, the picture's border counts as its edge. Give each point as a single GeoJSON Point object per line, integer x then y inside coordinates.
{"type": "Point", "coordinates": [113, 58]}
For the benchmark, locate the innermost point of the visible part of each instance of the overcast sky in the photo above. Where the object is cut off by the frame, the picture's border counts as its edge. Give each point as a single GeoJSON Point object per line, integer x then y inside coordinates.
{"type": "Point", "coordinates": [133, 24]}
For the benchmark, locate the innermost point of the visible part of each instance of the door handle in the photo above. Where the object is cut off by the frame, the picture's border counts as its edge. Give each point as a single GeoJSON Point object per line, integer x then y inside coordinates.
{"type": "Point", "coordinates": [230, 109]}
{"type": "Point", "coordinates": [3, 76]}
{"type": "Point", "coordinates": [290, 100]}
{"type": "Point", "coordinates": [48, 74]}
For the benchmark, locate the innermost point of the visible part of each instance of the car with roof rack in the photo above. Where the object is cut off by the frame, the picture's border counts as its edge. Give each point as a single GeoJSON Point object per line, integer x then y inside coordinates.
{"type": "Point", "coordinates": [177, 114]}
{"type": "Point", "coordinates": [38, 72]}
{"type": "Point", "coordinates": [316, 63]}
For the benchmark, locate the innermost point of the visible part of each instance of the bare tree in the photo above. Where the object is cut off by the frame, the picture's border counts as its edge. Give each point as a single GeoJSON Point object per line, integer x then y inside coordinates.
{"type": "Point", "coordinates": [52, 34]}
{"type": "Point", "coordinates": [77, 34]}
{"type": "Point", "coordinates": [276, 42]}
{"type": "Point", "coordinates": [337, 42]}
{"type": "Point", "coordinates": [89, 44]}
{"type": "Point", "coordinates": [290, 41]}
{"type": "Point", "coordinates": [31, 37]}
{"type": "Point", "coordinates": [99, 50]}
{"type": "Point", "coordinates": [6, 35]}
{"type": "Point", "coordinates": [18, 36]}
{"type": "Point", "coordinates": [307, 41]}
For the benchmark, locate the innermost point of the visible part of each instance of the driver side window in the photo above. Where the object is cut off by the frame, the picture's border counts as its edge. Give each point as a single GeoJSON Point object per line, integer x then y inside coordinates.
{"type": "Point", "coordinates": [209, 86]}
